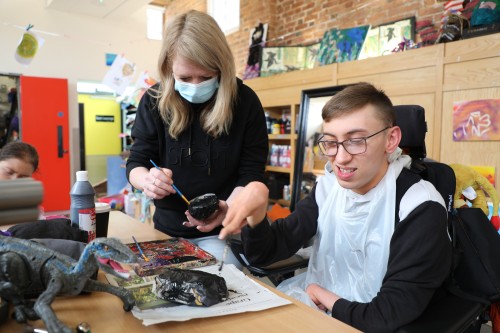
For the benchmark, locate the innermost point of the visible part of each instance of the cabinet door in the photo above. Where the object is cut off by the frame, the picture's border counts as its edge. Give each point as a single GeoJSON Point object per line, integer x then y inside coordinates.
{"type": "Point", "coordinates": [44, 124]}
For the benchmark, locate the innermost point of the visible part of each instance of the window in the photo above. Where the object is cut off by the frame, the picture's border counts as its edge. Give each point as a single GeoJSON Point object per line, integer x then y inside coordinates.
{"type": "Point", "coordinates": [226, 13]}
{"type": "Point", "coordinates": [155, 22]}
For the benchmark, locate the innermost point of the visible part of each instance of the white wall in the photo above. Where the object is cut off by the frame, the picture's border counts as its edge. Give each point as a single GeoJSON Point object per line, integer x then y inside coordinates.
{"type": "Point", "coordinates": [74, 48]}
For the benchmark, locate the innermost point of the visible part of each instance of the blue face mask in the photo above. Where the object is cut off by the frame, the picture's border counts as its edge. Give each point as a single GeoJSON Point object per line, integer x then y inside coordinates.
{"type": "Point", "coordinates": [197, 93]}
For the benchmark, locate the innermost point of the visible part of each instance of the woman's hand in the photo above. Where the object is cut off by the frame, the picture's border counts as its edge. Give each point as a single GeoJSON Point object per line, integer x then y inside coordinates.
{"type": "Point", "coordinates": [158, 183]}
{"type": "Point", "coordinates": [324, 299]}
{"type": "Point", "coordinates": [212, 222]}
{"type": "Point", "coordinates": [248, 207]}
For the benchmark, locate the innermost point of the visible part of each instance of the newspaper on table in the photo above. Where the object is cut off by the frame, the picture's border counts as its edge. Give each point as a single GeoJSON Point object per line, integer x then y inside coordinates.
{"type": "Point", "coordinates": [244, 295]}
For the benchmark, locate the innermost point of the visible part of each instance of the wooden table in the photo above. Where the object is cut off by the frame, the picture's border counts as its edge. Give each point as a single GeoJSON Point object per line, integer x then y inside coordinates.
{"type": "Point", "coordinates": [105, 314]}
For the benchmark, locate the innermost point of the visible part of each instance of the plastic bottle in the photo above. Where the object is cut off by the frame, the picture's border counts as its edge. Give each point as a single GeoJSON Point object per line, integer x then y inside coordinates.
{"type": "Point", "coordinates": [82, 212]}
{"type": "Point", "coordinates": [268, 123]}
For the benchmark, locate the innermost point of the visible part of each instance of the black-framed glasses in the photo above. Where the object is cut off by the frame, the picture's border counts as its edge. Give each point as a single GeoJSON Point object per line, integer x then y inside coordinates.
{"type": "Point", "coordinates": [353, 146]}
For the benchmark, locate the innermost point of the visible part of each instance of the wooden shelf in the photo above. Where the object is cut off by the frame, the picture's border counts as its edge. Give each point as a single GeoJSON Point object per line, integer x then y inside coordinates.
{"type": "Point", "coordinates": [280, 136]}
{"type": "Point", "coordinates": [278, 169]}
{"type": "Point", "coordinates": [318, 171]}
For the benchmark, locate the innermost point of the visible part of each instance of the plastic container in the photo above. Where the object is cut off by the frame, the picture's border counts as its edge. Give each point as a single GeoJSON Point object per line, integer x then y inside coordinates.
{"type": "Point", "coordinates": [82, 210]}
{"type": "Point", "coordinates": [102, 210]}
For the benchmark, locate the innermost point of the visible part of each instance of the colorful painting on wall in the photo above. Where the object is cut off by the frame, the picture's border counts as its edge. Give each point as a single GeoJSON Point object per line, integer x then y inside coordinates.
{"type": "Point", "coordinates": [477, 120]}
{"type": "Point", "coordinates": [340, 45]}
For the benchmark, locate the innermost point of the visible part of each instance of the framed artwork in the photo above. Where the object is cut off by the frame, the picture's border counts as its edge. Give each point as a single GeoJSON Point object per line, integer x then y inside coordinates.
{"type": "Point", "coordinates": [382, 40]}
{"type": "Point", "coordinates": [476, 120]}
{"type": "Point", "coordinates": [340, 45]}
{"type": "Point", "coordinates": [391, 34]}
{"type": "Point", "coordinates": [277, 60]}
{"type": "Point", "coordinates": [310, 127]}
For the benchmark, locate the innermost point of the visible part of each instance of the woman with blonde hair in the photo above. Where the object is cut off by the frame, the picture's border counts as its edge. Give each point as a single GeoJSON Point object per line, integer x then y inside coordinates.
{"type": "Point", "coordinates": [202, 126]}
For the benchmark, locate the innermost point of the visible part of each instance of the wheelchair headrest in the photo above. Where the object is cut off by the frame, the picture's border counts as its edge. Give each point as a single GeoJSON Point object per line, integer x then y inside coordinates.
{"type": "Point", "coordinates": [411, 120]}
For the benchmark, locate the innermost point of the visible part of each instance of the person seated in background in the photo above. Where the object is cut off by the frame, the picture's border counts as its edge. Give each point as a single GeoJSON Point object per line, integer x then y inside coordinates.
{"type": "Point", "coordinates": [371, 266]}
{"type": "Point", "coordinates": [18, 160]}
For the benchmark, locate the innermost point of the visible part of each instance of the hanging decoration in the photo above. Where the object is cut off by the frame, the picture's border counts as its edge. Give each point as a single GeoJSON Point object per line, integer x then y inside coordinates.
{"type": "Point", "coordinates": [28, 46]}
{"type": "Point", "coordinates": [120, 75]}
{"type": "Point", "coordinates": [143, 83]}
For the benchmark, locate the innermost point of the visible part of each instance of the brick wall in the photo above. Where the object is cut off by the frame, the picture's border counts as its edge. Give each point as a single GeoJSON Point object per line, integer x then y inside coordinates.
{"type": "Point", "coordinates": [303, 22]}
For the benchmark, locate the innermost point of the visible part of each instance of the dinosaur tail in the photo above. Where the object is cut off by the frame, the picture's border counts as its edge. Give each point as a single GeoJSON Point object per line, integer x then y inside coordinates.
{"type": "Point", "coordinates": [4, 311]}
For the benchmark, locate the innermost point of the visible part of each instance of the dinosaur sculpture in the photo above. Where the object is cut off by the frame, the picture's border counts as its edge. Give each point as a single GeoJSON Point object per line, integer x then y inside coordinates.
{"type": "Point", "coordinates": [27, 267]}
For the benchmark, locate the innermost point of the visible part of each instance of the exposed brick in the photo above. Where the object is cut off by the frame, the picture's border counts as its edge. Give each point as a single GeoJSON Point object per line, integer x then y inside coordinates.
{"type": "Point", "coordinates": [303, 22]}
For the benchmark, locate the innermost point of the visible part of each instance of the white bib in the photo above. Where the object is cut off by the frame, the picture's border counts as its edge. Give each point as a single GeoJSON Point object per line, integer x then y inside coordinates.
{"type": "Point", "coordinates": [351, 248]}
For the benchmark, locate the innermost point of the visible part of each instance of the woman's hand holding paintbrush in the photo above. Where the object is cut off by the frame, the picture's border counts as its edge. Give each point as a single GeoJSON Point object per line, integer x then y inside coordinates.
{"type": "Point", "coordinates": [158, 182]}
{"type": "Point", "coordinates": [205, 225]}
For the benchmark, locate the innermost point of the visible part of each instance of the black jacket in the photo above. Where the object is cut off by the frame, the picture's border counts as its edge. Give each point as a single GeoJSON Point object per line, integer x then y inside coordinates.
{"type": "Point", "coordinates": [419, 259]}
{"type": "Point", "coordinates": [212, 166]}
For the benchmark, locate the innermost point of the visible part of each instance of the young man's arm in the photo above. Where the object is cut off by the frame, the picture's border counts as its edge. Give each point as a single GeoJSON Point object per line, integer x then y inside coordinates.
{"type": "Point", "coordinates": [266, 243]}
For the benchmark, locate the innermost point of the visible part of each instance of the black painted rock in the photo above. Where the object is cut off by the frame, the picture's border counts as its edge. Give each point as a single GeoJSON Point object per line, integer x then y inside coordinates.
{"type": "Point", "coordinates": [203, 206]}
{"type": "Point", "coordinates": [195, 288]}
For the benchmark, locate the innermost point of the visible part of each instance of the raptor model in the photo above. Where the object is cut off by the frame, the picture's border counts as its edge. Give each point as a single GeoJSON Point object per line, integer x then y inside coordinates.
{"type": "Point", "coordinates": [27, 267]}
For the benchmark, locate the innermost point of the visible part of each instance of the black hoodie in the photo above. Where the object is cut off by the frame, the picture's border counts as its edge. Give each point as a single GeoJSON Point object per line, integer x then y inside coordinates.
{"type": "Point", "coordinates": [200, 164]}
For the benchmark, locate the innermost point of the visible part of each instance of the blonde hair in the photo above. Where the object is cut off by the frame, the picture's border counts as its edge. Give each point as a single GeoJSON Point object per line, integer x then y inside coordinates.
{"type": "Point", "coordinates": [196, 37]}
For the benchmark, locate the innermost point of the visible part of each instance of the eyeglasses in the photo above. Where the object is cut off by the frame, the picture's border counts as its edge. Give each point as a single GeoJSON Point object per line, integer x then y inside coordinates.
{"type": "Point", "coordinates": [354, 146]}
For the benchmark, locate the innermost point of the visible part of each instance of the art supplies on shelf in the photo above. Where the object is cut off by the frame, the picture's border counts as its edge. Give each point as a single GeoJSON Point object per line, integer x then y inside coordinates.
{"type": "Point", "coordinates": [172, 252]}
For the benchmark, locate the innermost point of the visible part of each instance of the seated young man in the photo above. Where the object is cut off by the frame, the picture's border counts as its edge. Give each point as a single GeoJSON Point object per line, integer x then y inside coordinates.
{"type": "Point", "coordinates": [371, 267]}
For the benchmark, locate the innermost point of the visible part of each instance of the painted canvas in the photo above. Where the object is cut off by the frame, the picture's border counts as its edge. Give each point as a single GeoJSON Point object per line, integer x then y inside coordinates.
{"type": "Point", "coordinates": [258, 37]}
{"type": "Point", "coordinates": [371, 45]}
{"type": "Point", "coordinates": [477, 120]}
{"type": "Point", "coordinates": [312, 56]}
{"type": "Point", "coordinates": [277, 60]}
{"type": "Point", "coordinates": [172, 253]}
{"type": "Point", "coordinates": [340, 45]}
{"type": "Point", "coordinates": [391, 34]}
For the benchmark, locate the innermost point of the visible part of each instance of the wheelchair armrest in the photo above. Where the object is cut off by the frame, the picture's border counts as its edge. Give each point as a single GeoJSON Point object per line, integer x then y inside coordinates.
{"type": "Point", "coordinates": [281, 267]}
{"type": "Point", "coordinates": [450, 314]}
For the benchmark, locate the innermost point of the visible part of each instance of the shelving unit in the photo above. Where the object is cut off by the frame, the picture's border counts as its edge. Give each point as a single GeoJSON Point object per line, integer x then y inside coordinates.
{"type": "Point", "coordinates": [288, 140]}
{"type": "Point", "coordinates": [282, 93]}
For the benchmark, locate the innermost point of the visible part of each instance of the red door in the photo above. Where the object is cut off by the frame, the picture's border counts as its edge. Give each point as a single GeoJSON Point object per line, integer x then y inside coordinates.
{"type": "Point", "coordinates": [44, 124]}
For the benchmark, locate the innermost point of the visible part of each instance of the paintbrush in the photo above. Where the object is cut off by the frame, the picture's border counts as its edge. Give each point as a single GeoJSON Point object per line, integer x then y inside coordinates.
{"type": "Point", "coordinates": [140, 250]}
{"type": "Point", "coordinates": [224, 254]}
{"type": "Point", "coordinates": [175, 188]}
